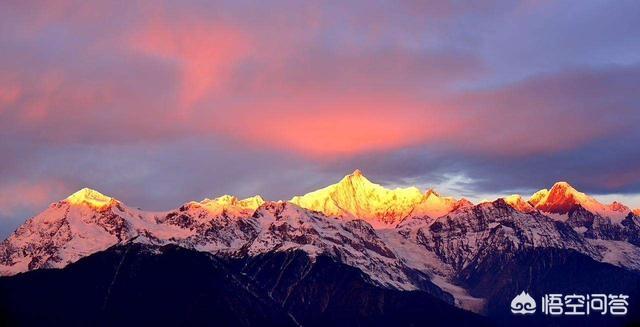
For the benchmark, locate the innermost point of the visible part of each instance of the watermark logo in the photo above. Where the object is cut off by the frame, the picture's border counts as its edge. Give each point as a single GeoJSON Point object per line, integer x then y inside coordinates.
{"type": "Point", "coordinates": [585, 304]}
{"type": "Point", "coordinates": [523, 304]}
{"type": "Point", "coordinates": [572, 304]}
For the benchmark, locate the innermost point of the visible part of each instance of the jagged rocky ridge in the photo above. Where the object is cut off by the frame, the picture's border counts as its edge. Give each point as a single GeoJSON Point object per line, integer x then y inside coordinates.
{"type": "Point", "coordinates": [400, 239]}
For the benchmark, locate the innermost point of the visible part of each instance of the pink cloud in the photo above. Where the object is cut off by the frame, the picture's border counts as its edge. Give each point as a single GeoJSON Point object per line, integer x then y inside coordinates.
{"type": "Point", "coordinates": [9, 94]}
{"type": "Point", "coordinates": [204, 53]}
{"type": "Point", "coordinates": [29, 196]}
{"type": "Point", "coordinates": [322, 127]}
{"type": "Point", "coordinates": [172, 73]}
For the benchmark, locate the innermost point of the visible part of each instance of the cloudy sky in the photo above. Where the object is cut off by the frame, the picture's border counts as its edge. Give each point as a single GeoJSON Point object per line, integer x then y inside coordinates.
{"type": "Point", "coordinates": [156, 103]}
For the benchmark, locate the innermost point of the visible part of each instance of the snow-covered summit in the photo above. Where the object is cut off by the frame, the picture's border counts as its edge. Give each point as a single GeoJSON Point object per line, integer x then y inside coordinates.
{"type": "Point", "coordinates": [518, 203]}
{"type": "Point", "coordinates": [538, 196]}
{"type": "Point", "coordinates": [563, 198]}
{"type": "Point", "coordinates": [229, 200]}
{"type": "Point", "coordinates": [356, 197]}
{"type": "Point", "coordinates": [91, 198]}
{"type": "Point", "coordinates": [227, 204]}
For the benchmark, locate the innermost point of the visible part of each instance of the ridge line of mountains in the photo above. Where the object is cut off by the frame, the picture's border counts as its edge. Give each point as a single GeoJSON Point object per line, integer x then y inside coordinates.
{"type": "Point", "coordinates": [471, 256]}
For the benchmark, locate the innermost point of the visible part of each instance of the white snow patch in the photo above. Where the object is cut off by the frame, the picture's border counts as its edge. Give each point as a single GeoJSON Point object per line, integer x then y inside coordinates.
{"type": "Point", "coordinates": [461, 297]}
{"type": "Point", "coordinates": [618, 253]}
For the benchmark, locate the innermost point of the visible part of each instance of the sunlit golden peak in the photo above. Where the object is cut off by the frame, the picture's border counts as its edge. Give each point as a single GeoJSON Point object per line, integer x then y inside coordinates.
{"type": "Point", "coordinates": [513, 198]}
{"type": "Point", "coordinates": [252, 202]}
{"type": "Point", "coordinates": [356, 175]}
{"type": "Point", "coordinates": [357, 197]}
{"type": "Point", "coordinates": [562, 190]}
{"type": "Point", "coordinates": [232, 201]}
{"type": "Point", "coordinates": [563, 197]}
{"type": "Point", "coordinates": [562, 185]}
{"type": "Point", "coordinates": [90, 197]}
{"type": "Point", "coordinates": [517, 202]}
{"type": "Point", "coordinates": [538, 196]}
{"type": "Point", "coordinates": [226, 199]}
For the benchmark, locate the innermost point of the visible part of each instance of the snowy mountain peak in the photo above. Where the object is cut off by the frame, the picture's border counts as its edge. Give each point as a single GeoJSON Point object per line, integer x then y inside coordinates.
{"type": "Point", "coordinates": [538, 196]}
{"type": "Point", "coordinates": [225, 199]}
{"type": "Point", "coordinates": [619, 207]}
{"type": "Point", "coordinates": [517, 202]}
{"type": "Point", "coordinates": [91, 198]}
{"type": "Point", "coordinates": [228, 205]}
{"type": "Point", "coordinates": [567, 190]}
{"type": "Point", "coordinates": [356, 197]}
{"type": "Point", "coordinates": [463, 203]}
{"type": "Point", "coordinates": [252, 202]}
{"type": "Point", "coordinates": [232, 201]}
{"type": "Point", "coordinates": [563, 198]}
{"type": "Point", "coordinates": [356, 179]}
{"type": "Point", "coordinates": [562, 185]}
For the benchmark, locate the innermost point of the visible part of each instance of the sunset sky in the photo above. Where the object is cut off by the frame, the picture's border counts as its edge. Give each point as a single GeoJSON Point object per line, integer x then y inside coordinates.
{"type": "Point", "coordinates": [157, 103]}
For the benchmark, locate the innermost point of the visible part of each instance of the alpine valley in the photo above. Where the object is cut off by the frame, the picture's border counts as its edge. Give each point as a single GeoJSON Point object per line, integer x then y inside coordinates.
{"type": "Point", "coordinates": [351, 254]}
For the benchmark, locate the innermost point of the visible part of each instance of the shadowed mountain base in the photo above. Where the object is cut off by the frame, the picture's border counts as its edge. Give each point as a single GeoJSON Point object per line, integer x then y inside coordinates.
{"type": "Point", "coordinates": [140, 285]}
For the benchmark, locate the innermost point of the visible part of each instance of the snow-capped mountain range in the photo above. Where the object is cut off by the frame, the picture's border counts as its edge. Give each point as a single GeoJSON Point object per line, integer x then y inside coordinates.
{"type": "Point", "coordinates": [398, 238]}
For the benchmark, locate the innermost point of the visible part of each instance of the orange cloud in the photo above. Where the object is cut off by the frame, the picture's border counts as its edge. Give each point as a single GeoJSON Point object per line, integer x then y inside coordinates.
{"type": "Point", "coordinates": [328, 128]}
{"type": "Point", "coordinates": [203, 52]}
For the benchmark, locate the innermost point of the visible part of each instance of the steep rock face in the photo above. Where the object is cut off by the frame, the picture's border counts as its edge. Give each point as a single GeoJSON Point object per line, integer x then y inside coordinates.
{"type": "Point", "coordinates": [617, 243]}
{"type": "Point", "coordinates": [462, 236]}
{"type": "Point", "coordinates": [286, 226]}
{"type": "Point", "coordinates": [540, 271]}
{"type": "Point", "coordinates": [325, 292]}
{"type": "Point", "coordinates": [579, 217]}
{"type": "Point", "coordinates": [595, 226]}
{"type": "Point", "coordinates": [222, 224]}
{"type": "Point", "coordinates": [355, 197]}
{"type": "Point", "coordinates": [632, 228]}
{"type": "Point", "coordinates": [471, 240]}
